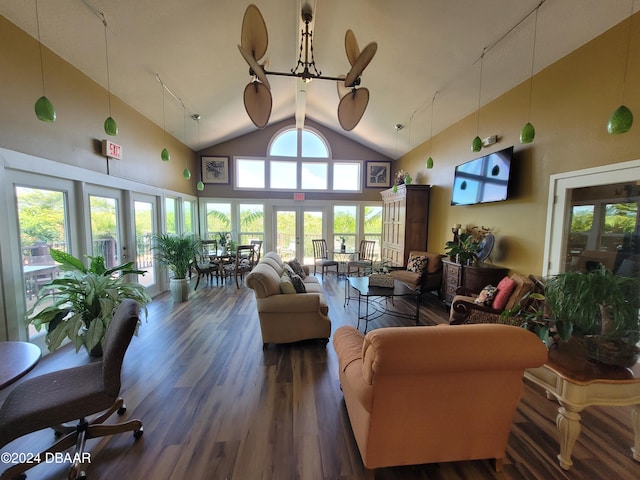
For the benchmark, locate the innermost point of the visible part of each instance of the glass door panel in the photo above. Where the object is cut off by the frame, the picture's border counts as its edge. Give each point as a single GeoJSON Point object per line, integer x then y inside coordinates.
{"type": "Point", "coordinates": [286, 233]}
{"type": "Point", "coordinates": [105, 229]}
{"type": "Point", "coordinates": [143, 218]}
{"type": "Point", "coordinates": [295, 228]}
{"type": "Point", "coordinates": [42, 220]}
{"type": "Point", "coordinates": [600, 230]}
{"type": "Point", "coordinates": [312, 229]}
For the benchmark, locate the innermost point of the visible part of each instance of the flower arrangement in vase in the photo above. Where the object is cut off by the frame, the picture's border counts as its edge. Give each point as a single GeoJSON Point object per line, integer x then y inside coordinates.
{"type": "Point", "coordinates": [466, 243]}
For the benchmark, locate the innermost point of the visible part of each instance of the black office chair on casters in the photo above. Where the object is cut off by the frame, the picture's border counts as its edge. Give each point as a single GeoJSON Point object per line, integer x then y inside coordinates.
{"type": "Point", "coordinates": [72, 395]}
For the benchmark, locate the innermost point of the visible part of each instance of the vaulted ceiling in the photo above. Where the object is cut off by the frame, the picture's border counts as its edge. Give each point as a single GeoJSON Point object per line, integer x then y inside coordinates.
{"type": "Point", "coordinates": [424, 47]}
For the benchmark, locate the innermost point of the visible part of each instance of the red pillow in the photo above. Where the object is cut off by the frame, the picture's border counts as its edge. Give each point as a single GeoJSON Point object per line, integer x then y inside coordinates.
{"type": "Point", "coordinates": [505, 289]}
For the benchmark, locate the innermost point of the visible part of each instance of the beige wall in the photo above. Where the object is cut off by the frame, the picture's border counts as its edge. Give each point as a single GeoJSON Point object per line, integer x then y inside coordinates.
{"type": "Point", "coordinates": [571, 103]}
{"type": "Point", "coordinates": [81, 106]}
{"type": "Point", "coordinates": [255, 144]}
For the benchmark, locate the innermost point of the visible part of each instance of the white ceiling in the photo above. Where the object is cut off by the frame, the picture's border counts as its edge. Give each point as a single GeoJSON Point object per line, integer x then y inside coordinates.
{"type": "Point", "coordinates": [424, 47]}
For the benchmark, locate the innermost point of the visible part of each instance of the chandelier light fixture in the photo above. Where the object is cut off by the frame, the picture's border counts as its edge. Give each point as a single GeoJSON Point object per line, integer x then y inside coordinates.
{"type": "Point", "coordinates": [257, 94]}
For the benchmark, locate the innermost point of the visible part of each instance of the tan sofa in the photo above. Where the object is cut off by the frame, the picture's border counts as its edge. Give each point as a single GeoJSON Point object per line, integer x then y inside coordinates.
{"type": "Point", "coordinates": [429, 279]}
{"type": "Point", "coordinates": [434, 394]}
{"type": "Point", "coordinates": [286, 318]}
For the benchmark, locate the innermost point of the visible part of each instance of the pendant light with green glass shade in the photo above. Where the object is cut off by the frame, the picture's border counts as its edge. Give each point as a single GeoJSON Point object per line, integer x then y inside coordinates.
{"type": "Point", "coordinates": [197, 117]}
{"type": "Point", "coordinates": [621, 119]}
{"type": "Point", "coordinates": [528, 132]}
{"type": "Point", "coordinates": [45, 111]}
{"type": "Point", "coordinates": [186, 173]}
{"type": "Point", "coordinates": [165, 156]}
{"type": "Point", "coordinates": [429, 162]}
{"type": "Point", "coordinates": [110, 125]}
{"type": "Point", "coordinates": [476, 143]}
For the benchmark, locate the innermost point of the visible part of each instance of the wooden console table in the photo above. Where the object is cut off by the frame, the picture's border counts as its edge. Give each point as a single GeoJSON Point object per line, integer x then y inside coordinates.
{"type": "Point", "coordinates": [577, 382]}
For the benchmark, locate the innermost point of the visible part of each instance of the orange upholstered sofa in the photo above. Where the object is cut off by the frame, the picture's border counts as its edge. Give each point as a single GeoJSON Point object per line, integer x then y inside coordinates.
{"type": "Point", "coordinates": [434, 394]}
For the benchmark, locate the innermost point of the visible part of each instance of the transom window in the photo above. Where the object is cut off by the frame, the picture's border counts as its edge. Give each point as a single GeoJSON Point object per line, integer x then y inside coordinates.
{"type": "Point", "coordinates": [298, 160]}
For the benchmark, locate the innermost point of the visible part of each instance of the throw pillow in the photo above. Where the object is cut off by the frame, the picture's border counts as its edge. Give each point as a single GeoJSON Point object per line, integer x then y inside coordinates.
{"type": "Point", "coordinates": [297, 267]}
{"type": "Point", "coordinates": [486, 295]}
{"type": "Point", "coordinates": [505, 289]}
{"type": "Point", "coordinates": [298, 284]}
{"type": "Point", "coordinates": [417, 263]}
{"type": "Point", "coordinates": [286, 285]}
{"type": "Point", "coordinates": [287, 269]}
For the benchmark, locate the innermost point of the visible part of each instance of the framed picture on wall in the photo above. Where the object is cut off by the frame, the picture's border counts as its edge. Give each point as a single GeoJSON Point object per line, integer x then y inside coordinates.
{"type": "Point", "coordinates": [378, 174]}
{"type": "Point", "coordinates": [215, 170]}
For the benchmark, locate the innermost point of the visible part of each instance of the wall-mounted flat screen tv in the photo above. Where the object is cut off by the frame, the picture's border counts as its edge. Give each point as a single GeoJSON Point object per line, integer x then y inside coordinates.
{"type": "Point", "coordinates": [485, 179]}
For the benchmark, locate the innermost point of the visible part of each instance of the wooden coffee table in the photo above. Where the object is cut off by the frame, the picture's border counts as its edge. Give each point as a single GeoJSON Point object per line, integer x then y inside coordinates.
{"type": "Point", "coordinates": [577, 382]}
{"type": "Point", "coordinates": [16, 359]}
{"type": "Point", "coordinates": [375, 299]}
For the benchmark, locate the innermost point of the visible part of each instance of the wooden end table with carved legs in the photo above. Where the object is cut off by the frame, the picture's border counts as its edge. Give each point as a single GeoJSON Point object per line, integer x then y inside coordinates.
{"type": "Point", "coordinates": [577, 382]}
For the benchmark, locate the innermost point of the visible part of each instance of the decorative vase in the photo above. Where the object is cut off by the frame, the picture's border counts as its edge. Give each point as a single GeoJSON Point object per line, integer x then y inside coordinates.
{"type": "Point", "coordinates": [179, 289]}
{"type": "Point", "coordinates": [343, 248]}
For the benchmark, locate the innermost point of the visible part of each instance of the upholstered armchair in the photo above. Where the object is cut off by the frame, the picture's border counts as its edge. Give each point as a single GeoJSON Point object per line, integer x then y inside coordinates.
{"type": "Point", "coordinates": [434, 394]}
{"type": "Point", "coordinates": [420, 275]}
{"type": "Point", "coordinates": [467, 308]}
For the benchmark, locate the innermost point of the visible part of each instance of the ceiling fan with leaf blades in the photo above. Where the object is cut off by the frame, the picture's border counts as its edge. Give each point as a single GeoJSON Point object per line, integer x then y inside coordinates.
{"type": "Point", "coordinates": [254, 40]}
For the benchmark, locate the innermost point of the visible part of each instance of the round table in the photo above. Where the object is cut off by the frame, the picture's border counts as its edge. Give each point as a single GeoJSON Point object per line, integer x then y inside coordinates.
{"type": "Point", "coordinates": [16, 359]}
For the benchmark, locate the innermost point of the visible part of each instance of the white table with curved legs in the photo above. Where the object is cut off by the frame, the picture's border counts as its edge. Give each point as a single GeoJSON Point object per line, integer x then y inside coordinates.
{"type": "Point", "coordinates": [577, 382]}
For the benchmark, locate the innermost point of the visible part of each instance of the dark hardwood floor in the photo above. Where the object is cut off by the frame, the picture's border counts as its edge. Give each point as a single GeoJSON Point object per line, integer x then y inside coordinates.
{"type": "Point", "coordinates": [215, 405]}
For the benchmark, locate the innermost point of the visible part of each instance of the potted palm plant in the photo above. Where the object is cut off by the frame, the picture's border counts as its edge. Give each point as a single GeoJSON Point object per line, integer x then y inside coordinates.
{"type": "Point", "coordinates": [177, 253]}
{"type": "Point", "coordinates": [600, 309]}
{"type": "Point", "coordinates": [80, 304]}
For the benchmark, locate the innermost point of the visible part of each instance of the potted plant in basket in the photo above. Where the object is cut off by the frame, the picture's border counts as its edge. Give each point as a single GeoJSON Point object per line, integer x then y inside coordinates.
{"type": "Point", "coordinates": [600, 309]}
{"type": "Point", "coordinates": [80, 305]}
{"type": "Point", "coordinates": [177, 253]}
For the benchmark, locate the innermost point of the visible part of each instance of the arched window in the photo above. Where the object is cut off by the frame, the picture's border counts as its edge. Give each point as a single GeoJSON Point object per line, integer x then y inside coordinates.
{"type": "Point", "coordinates": [299, 143]}
{"type": "Point", "coordinates": [298, 160]}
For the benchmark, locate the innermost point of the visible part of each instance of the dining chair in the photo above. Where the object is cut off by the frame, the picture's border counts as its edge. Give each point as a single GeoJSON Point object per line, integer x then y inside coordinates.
{"type": "Point", "coordinates": [240, 264]}
{"type": "Point", "coordinates": [257, 246]}
{"type": "Point", "coordinates": [321, 257]}
{"type": "Point", "coordinates": [365, 255]}
{"type": "Point", "coordinates": [205, 268]}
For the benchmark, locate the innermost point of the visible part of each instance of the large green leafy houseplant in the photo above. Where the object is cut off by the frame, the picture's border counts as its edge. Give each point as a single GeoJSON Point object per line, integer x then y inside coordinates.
{"type": "Point", "coordinates": [80, 304]}
{"type": "Point", "coordinates": [176, 252]}
{"type": "Point", "coordinates": [598, 306]}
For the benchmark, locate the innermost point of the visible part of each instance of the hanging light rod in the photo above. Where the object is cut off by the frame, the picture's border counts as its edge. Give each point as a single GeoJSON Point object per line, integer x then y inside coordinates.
{"type": "Point", "coordinates": [178, 99]}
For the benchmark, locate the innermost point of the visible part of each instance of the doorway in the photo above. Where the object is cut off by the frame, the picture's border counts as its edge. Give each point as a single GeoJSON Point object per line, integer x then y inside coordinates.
{"type": "Point", "coordinates": [295, 227]}
{"type": "Point", "coordinates": [593, 217]}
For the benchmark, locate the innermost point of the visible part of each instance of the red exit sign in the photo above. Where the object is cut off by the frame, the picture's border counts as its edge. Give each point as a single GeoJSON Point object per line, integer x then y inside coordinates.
{"type": "Point", "coordinates": [111, 150]}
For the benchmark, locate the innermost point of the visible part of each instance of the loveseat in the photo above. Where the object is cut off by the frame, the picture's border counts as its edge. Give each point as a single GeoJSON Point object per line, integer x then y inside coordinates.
{"type": "Point", "coordinates": [423, 272]}
{"type": "Point", "coordinates": [467, 307]}
{"type": "Point", "coordinates": [288, 317]}
{"type": "Point", "coordinates": [434, 394]}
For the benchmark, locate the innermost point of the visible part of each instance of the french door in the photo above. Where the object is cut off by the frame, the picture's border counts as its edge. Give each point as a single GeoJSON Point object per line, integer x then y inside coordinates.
{"type": "Point", "coordinates": [145, 226]}
{"type": "Point", "coordinates": [295, 227]}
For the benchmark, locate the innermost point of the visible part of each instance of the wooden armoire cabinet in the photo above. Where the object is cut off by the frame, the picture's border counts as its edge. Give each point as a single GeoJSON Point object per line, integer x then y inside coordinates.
{"type": "Point", "coordinates": [405, 222]}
